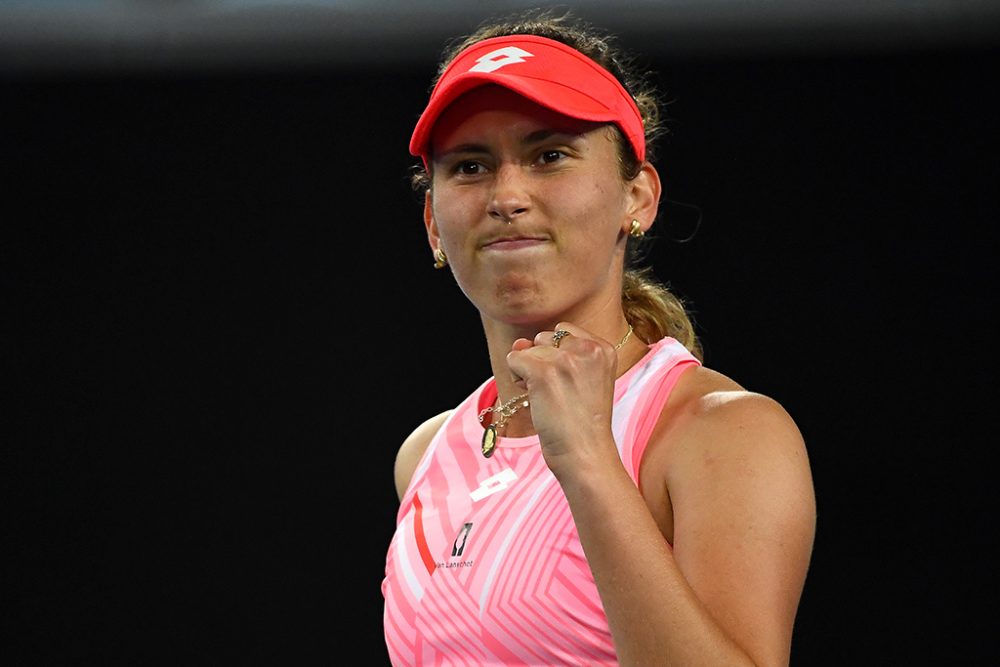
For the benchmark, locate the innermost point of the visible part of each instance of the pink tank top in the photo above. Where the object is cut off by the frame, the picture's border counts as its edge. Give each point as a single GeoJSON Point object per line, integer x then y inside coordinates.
{"type": "Point", "coordinates": [486, 566]}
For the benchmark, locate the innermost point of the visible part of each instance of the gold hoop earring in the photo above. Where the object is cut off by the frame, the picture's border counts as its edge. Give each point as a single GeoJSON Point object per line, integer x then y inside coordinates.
{"type": "Point", "coordinates": [636, 230]}
{"type": "Point", "coordinates": [440, 259]}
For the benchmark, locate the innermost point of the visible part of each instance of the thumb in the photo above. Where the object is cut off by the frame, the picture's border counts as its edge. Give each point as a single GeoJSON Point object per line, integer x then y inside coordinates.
{"type": "Point", "coordinates": [521, 344]}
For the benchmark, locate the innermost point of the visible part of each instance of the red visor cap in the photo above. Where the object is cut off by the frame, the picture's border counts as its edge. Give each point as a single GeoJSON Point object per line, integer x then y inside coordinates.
{"type": "Point", "coordinates": [543, 70]}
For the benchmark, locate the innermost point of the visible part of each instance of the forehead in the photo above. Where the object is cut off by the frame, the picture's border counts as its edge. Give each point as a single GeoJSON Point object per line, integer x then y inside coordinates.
{"type": "Point", "coordinates": [495, 106]}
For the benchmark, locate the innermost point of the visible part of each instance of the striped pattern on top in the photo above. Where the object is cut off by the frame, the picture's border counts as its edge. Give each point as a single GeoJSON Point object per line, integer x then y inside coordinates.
{"type": "Point", "coordinates": [486, 566]}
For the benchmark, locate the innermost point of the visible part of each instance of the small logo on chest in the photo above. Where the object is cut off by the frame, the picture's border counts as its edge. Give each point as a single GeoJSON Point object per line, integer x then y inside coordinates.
{"type": "Point", "coordinates": [459, 546]}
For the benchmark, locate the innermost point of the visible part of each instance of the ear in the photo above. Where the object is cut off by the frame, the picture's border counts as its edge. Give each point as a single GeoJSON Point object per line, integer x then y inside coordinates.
{"type": "Point", "coordinates": [432, 229]}
{"type": "Point", "coordinates": [644, 197]}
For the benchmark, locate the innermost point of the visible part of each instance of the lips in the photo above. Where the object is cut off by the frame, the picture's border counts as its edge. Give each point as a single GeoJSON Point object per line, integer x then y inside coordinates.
{"type": "Point", "coordinates": [513, 242]}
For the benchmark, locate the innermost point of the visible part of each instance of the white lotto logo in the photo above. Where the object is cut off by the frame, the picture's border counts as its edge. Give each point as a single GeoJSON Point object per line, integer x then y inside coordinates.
{"type": "Point", "coordinates": [491, 485]}
{"type": "Point", "coordinates": [494, 60]}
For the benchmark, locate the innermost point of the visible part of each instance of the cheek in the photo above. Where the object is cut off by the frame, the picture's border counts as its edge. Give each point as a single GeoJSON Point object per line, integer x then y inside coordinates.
{"type": "Point", "coordinates": [600, 203]}
{"type": "Point", "coordinates": [451, 218]}
{"type": "Point", "coordinates": [442, 206]}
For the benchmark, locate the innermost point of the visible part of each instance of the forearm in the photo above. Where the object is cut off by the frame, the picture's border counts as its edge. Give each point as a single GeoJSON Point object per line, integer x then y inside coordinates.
{"type": "Point", "coordinates": [654, 615]}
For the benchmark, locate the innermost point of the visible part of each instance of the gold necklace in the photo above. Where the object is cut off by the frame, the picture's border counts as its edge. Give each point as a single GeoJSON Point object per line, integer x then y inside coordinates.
{"type": "Point", "coordinates": [509, 408]}
{"type": "Point", "coordinates": [506, 411]}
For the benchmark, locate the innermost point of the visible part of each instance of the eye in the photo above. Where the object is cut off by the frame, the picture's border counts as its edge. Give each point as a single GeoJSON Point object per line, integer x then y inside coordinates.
{"type": "Point", "coordinates": [468, 168]}
{"type": "Point", "coordinates": [550, 156]}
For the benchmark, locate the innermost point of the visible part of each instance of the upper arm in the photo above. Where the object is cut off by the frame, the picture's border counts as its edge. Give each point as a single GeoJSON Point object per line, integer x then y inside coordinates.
{"type": "Point", "coordinates": [744, 516]}
{"type": "Point", "coordinates": [413, 449]}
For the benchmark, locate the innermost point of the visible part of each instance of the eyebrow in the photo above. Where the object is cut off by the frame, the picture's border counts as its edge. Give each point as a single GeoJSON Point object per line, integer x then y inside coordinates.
{"type": "Point", "coordinates": [547, 133]}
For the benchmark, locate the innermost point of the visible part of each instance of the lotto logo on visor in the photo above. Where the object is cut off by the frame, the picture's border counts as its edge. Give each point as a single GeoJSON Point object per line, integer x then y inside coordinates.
{"type": "Point", "coordinates": [545, 71]}
{"type": "Point", "coordinates": [494, 60]}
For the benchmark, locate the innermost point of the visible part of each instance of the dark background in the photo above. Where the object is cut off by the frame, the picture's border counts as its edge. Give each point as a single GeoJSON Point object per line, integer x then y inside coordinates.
{"type": "Point", "coordinates": [221, 319]}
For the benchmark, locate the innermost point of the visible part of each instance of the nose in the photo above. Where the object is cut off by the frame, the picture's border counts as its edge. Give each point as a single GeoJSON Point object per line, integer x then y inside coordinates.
{"type": "Point", "coordinates": [510, 198]}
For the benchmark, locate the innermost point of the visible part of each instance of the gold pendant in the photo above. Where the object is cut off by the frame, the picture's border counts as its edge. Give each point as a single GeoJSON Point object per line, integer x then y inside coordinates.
{"type": "Point", "coordinates": [489, 440]}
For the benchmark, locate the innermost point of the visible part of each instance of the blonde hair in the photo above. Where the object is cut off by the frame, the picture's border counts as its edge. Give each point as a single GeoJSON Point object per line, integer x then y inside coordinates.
{"type": "Point", "coordinates": [655, 312]}
{"type": "Point", "coordinates": [650, 307]}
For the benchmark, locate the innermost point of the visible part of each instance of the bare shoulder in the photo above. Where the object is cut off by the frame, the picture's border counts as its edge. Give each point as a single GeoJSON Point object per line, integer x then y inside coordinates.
{"type": "Point", "coordinates": [413, 449]}
{"type": "Point", "coordinates": [726, 440]}
{"type": "Point", "coordinates": [706, 402]}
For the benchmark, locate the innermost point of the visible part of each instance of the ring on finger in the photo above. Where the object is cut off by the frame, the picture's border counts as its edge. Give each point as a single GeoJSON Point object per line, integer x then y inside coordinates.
{"type": "Point", "coordinates": [558, 336]}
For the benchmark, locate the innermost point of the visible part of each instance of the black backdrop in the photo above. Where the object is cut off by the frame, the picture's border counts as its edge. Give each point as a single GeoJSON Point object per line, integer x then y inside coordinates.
{"type": "Point", "coordinates": [220, 319]}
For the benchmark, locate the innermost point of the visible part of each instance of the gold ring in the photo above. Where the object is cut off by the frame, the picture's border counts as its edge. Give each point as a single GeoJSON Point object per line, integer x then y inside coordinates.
{"type": "Point", "coordinates": [558, 336]}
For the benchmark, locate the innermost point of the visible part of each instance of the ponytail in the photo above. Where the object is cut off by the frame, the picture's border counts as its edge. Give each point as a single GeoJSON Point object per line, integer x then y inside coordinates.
{"type": "Point", "coordinates": [655, 312]}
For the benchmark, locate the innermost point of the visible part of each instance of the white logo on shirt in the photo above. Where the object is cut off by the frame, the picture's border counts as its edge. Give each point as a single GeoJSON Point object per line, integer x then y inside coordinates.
{"type": "Point", "coordinates": [491, 485]}
{"type": "Point", "coordinates": [494, 60]}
